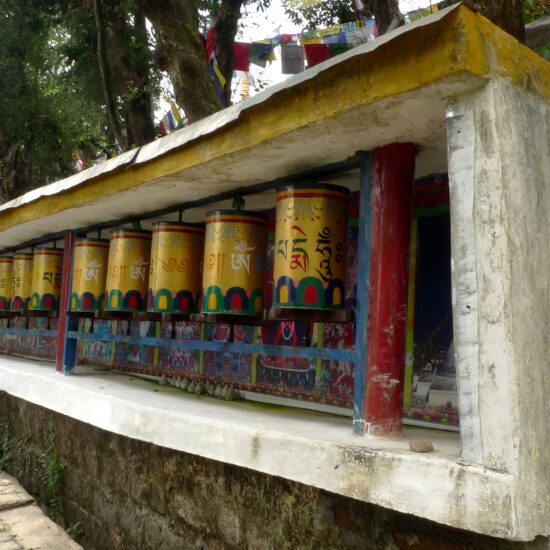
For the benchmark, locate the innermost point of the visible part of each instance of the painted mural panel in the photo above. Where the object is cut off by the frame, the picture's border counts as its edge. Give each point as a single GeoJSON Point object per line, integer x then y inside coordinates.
{"type": "Point", "coordinates": [430, 387]}
{"type": "Point", "coordinates": [430, 391]}
{"type": "Point", "coordinates": [40, 347]}
{"type": "Point", "coordinates": [180, 360]}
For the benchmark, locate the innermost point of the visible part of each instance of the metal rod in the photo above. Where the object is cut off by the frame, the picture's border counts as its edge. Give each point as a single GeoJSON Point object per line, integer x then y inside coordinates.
{"type": "Point", "coordinates": [333, 354]}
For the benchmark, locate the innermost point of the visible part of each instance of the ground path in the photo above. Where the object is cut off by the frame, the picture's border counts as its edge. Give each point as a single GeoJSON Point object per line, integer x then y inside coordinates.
{"type": "Point", "coordinates": [23, 525]}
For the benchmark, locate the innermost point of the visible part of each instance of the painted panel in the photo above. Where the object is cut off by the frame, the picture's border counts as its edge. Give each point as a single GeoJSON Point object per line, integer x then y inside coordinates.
{"type": "Point", "coordinates": [430, 390]}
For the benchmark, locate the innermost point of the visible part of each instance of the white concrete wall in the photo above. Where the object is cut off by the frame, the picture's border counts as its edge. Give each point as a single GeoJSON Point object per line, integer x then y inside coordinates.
{"type": "Point", "coordinates": [499, 175]}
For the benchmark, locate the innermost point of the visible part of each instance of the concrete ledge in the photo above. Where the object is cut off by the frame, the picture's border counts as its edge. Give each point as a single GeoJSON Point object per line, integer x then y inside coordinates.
{"type": "Point", "coordinates": [311, 448]}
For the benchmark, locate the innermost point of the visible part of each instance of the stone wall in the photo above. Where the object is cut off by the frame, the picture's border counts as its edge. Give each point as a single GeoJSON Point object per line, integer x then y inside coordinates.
{"type": "Point", "coordinates": [124, 494]}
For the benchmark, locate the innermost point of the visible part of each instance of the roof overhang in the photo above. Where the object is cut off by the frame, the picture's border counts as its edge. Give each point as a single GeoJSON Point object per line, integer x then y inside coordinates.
{"type": "Point", "coordinates": [394, 89]}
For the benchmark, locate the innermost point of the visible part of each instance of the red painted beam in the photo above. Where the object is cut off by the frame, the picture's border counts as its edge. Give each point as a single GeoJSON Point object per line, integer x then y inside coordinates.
{"type": "Point", "coordinates": [64, 298]}
{"type": "Point", "coordinates": [393, 181]}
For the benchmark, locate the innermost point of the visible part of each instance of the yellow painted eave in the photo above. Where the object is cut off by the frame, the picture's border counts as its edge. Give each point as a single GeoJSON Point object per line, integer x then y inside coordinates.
{"type": "Point", "coordinates": [459, 44]}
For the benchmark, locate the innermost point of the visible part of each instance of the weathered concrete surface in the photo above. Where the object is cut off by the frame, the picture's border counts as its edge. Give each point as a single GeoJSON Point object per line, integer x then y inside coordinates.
{"type": "Point", "coordinates": [499, 176]}
{"type": "Point", "coordinates": [314, 449]}
{"type": "Point", "coordinates": [23, 525]}
{"type": "Point", "coordinates": [130, 494]}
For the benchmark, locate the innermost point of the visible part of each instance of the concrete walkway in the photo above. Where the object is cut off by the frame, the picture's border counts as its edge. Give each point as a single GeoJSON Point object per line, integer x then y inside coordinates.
{"type": "Point", "coordinates": [23, 525]}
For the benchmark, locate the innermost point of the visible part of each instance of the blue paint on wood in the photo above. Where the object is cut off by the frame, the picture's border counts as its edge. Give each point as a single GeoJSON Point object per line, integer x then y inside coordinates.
{"type": "Point", "coordinates": [69, 346]}
{"type": "Point", "coordinates": [224, 347]}
{"type": "Point", "coordinates": [364, 248]}
{"type": "Point", "coordinates": [68, 361]}
{"type": "Point", "coordinates": [29, 331]}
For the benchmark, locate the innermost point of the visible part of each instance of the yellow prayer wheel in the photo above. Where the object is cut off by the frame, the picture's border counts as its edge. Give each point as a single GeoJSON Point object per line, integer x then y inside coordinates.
{"type": "Point", "coordinates": [309, 268]}
{"type": "Point", "coordinates": [234, 262]}
{"type": "Point", "coordinates": [176, 261]}
{"type": "Point", "coordinates": [128, 267]}
{"type": "Point", "coordinates": [6, 282]}
{"type": "Point", "coordinates": [46, 278]}
{"type": "Point", "coordinates": [89, 274]}
{"type": "Point", "coordinates": [22, 282]}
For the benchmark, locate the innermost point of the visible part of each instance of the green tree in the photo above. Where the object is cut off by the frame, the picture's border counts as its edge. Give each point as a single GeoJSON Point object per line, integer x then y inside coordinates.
{"type": "Point", "coordinates": [76, 75]}
{"type": "Point", "coordinates": [333, 12]}
{"type": "Point", "coordinates": [37, 137]}
{"type": "Point", "coordinates": [126, 69]}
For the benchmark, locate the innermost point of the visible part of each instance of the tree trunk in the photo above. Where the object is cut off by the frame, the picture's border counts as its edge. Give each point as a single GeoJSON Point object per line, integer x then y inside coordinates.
{"type": "Point", "coordinates": [110, 104]}
{"type": "Point", "coordinates": [227, 22]}
{"type": "Point", "coordinates": [180, 52]}
{"type": "Point", "coordinates": [387, 14]}
{"type": "Point", "coordinates": [507, 14]}
{"type": "Point", "coordinates": [128, 57]}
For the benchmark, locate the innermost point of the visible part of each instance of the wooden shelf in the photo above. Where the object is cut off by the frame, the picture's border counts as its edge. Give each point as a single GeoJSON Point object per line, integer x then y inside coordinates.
{"type": "Point", "coordinates": [40, 313]}
{"type": "Point", "coordinates": [309, 315]}
{"type": "Point", "coordinates": [114, 315]}
{"type": "Point", "coordinates": [81, 314]}
{"type": "Point", "coordinates": [147, 316]}
{"type": "Point", "coordinates": [9, 314]}
{"type": "Point", "coordinates": [229, 319]}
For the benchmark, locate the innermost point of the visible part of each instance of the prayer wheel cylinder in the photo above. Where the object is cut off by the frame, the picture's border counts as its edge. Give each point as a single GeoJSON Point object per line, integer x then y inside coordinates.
{"type": "Point", "coordinates": [6, 282]}
{"type": "Point", "coordinates": [128, 268]}
{"type": "Point", "coordinates": [234, 262]}
{"type": "Point", "coordinates": [175, 275]}
{"type": "Point", "coordinates": [22, 282]}
{"type": "Point", "coordinates": [310, 247]}
{"type": "Point", "coordinates": [46, 278]}
{"type": "Point", "coordinates": [89, 274]}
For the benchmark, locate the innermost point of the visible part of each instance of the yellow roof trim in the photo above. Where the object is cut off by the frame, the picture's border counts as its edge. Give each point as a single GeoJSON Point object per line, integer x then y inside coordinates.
{"type": "Point", "coordinates": [458, 44]}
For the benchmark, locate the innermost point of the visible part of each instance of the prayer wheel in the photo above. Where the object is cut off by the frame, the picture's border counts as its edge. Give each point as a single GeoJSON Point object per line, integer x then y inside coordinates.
{"type": "Point", "coordinates": [234, 262]}
{"type": "Point", "coordinates": [6, 282]}
{"type": "Point", "coordinates": [128, 266]}
{"type": "Point", "coordinates": [175, 275]}
{"type": "Point", "coordinates": [22, 282]}
{"type": "Point", "coordinates": [46, 278]}
{"type": "Point", "coordinates": [310, 246]}
{"type": "Point", "coordinates": [89, 274]}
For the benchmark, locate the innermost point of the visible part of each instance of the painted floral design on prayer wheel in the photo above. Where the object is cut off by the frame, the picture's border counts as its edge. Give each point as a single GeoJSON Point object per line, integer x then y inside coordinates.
{"type": "Point", "coordinates": [6, 282]}
{"type": "Point", "coordinates": [310, 246]}
{"type": "Point", "coordinates": [46, 278]}
{"type": "Point", "coordinates": [234, 262]}
{"type": "Point", "coordinates": [128, 269]}
{"type": "Point", "coordinates": [176, 268]}
{"type": "Point", "coordinates": [22, 282]}
{"type": "Point", "coordinates": [89, 274]}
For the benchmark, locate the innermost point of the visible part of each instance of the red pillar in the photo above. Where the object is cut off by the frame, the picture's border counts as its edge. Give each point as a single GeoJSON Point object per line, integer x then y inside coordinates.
{"type": "Point", "coordinates": [393, 180]}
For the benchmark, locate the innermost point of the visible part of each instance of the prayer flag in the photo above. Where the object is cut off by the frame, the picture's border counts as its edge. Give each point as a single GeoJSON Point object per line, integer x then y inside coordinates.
{"type": "Point", "coordinates": [171, 120]}
{"type": "Point", "coordinates": [241, 51]}
{"type": "Point", "coordinates": [316, 53]}
{"type": "Point", "coordinates": [292, 59]}
{"type": "Point", "coordinates": [261, 52]}
{"type": "Point", "coordinates": [176, 113]}
{"type": "Point", "coordinates": [310, 40]}
{"type": "Point", "coordinates": [217, 77]}
{"type": "Point", "coordinates": [337, 49]}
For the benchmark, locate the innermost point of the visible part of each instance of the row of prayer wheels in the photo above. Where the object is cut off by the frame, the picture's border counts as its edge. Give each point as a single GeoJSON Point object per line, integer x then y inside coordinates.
{"type": "Point", "coordinates": [186, 268]}
{"type": "Point", "coordinates": [31, 281]}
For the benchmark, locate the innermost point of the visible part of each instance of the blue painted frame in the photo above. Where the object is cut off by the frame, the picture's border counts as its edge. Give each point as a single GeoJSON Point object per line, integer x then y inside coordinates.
{"type": "Point", "coordinates": [227, 347]}
{"type": "Point", "coordinates": [356, 355]}
{"type": "Point", "coordinates": [364, 248]}
{"type": "Point", "coordinates": [28, 331]}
